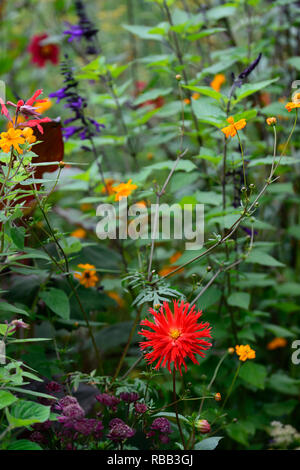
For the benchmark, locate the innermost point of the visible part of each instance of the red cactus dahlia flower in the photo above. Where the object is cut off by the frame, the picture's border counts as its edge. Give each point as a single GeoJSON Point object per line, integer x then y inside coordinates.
{"type": "Point", "coordinates": [175, 336]}
{"type": "Point", "coordinates": [41, 53]}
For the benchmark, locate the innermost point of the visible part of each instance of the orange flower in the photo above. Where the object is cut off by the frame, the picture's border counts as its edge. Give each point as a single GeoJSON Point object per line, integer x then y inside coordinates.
{"type": "Point", "coordinates": [271, 121]}
{"type": "Point", "coordinates": [196, 96]}
{"type": "Point", "coordinates": [115, 296]}
{"type": "Point", "coordinates": [44, 106]}
{"type": "Point", "coordinates": [124, 190]}
{"type": "Point", "coordinates": [175, 257]}
{"type": "Point", "coordinates": [293, 104]}
{"type": "Point", "coordinates": [218, 81]}
{"type": "Point", "coordinates": [12, 138]}
{"type": "Point", "coordinates": [87, 275]}
{"type": "Point", "coordinates": [79, 233]}
{"type": "Point", "coordinates": [245, 352]}
{"type": "Point", "coordinates": [169, 269]}
{"type": "Point", "coordinates": [276, 343]}
{"type": "Point", "coordinates": [108, 189]}
{"type": "Point", "coordinates": [232, 129]}
{"type": "Point", "coordinates": [218, 396]}
{"type": "Point", "coordinates": [186, 100]}
{"type": "Point", "coordinates": [86, 206]}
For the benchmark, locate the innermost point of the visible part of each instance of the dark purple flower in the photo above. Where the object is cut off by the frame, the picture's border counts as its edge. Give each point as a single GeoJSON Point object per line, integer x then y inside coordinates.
{"type": "Point", "coordinates": [140, 408]}
{"type": "Point", "coordinates": [53, 387]}
{"type": "Point", "coordinates": [164, 438]}
{"type": "Point", "coordinates": [129, 397]}
{"type": "Point", "coordinates": [59, 94]}
{"type": "Point", "coordinates": [70, 131]}
{"type": "Point", "coordinates": [113, 422]}
{"type": "Point", "coordinates": [37, 437]}
{"type": "Point", "coordinates": [120, 432]}
{"type": "Point", "coordinates": [162, 425]}
{"type": "Point", "coordinates": [73, 411]}
{"type": "Point", "coordinates": [108, 400]}
{"type": "Point", "coordinates": [75, 32]}
{"type": "Point", "coordinates": [66, 401]}
{"type": "Point", "coordinates": [89, 427]}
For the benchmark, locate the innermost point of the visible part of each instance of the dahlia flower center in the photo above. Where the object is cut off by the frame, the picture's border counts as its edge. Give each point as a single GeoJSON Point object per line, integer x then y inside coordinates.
{"type": "Point", "coordinates": [175, 333]}
{"type": "Point", "coordinates": [46, 51]}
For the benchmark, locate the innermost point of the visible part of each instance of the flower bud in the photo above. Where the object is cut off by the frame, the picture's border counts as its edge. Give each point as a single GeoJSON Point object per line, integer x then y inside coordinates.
{"type": "Point", "coordinates": [230, 350]}
{"type": "Point", "coordinates": [271, 121]}
{"type": "Point", "coordinates": [218, 397]}
{"type": "Point", "coordinates": [178, 77]}
{"type": "Point", "coordinates": [203, 426]}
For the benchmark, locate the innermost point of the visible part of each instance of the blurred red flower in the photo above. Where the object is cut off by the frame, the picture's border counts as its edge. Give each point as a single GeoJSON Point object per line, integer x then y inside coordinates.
{"type": "Point", "coordinates": [41, 53]}
{"type": "Point", "coordinates": [175, 336]}
{"type": "Point", "coordinates": [156, 103]}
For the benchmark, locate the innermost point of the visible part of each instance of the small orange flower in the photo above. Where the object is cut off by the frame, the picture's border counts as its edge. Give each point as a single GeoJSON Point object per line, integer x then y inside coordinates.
{"type": "Point", "coordinates": [230, 350]}
{"type": "Point", "coordinates": [276, 343]}
{"type": "Point", "coordinates": [186, 100]}
{"type": "Point", "coordinates": [12, 138]}
{"type": "Point", "coordinates": [124, 190]}
{"type": "Point", "coordinates": [79, 233]}
{"type": "Point", "coordinates": [87, 275]}
{"type": "Point", "coordinates": [108, 186]}
{"type": "Point", "coordinates": [218, 81]}
{"type": "Point", "coordinates": [293, 104]}
{"type": "Point", "coordinates": [115, 296]}
{"type": "Point", "coordinates": [86, 206]}
{"type": "Point", "coordinates": [271, 121]}
{"type": "Point", "coordinates": [245, 352]}
{"type": "Point", "coordinates": [43, 106]}
{"type": "Point", "coordinates": [232, 129]}
{"type": "Point", "coordinates": [217, 396]}
{"type": "Point", "coordinates": [149, 156]}
{"type": "Point", "coordinates": [27, 133]}
{"type": "Point", "coordinates": [196, 96]}
{"type": "Point", "coordinates": [169, 269]}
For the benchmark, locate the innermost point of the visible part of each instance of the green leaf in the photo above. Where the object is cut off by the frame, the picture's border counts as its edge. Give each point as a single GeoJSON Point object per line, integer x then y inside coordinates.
{"type": "Point", "coordinates": [250, 88]}
{"type": "Point", "coordinates": [294, 62]}
{"type": "Point", "coordinates": [208, 444]}
{"type": "Point", "coordinates": [57, 300]}
{"type": "Point", "coordinates": [253, 373]}
{"type": "Point", "coordinates": [17, 235]}
{"type": "Point", "coordinates": [142, 32]}
{"type": "Point", "coordinates": [279, 331]}
{"type": "Point", "coordinates": [239, 299]}
{"type": "Point", "coordinates": [260, 257]}
{"type": "Point", "coordinates": [24, 444]}
{"type": "Point", "coordinates": [282, 408]}
{"type": "Point", "coordinates": [152, 95]}
{"type": "Point", "coordinates": [207, 91]}
{"type": "Point", "coordinates": [6, 399]}
{"type": "Point", "coordinates": [282, 383]}
{"type": "Point", "coordinates": [6, 307]}
{"type": "Point", "coordinates": [25, 413]}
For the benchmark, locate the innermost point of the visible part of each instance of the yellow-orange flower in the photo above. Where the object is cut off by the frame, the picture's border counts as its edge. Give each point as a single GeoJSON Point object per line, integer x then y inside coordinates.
{"type": "Point", "coordinates": [169, 269]}
{"type": "Point", "coordinates": [28, 134]}
{"type": "Point", "coordinates": [87, 275]}
{"type": "Point", "coordinates": [86, 206]}
{"type": "Point", "coordinates": [295, 103]}
{"type": "Point", "coordinates": [79, 233]}
{"type": "Point", "coordinates": [44, 106]}
{"type": "Point", "coordinates": [245, 352]}
{"type": "Point", "coordinates": [108, 189]}
{"type": "Point", "coordinates": [196, 96]}
{"type": "Point", "coordinates": [271, 121]}
{"type": "Point", "coordinates": [12, 138]}
{"type": "Point", "coordinates": [115, 296]}
{"type": "Point", "coordinates": [218, 81]}
{"type": "Point", "coordinates": [276, 343]}
{"type": "Point", "coordinates": [186, 100]}
{"type": "Point", "coordinates": [233, 127]}
{"type": "Point", "coordinates": [124, 190]}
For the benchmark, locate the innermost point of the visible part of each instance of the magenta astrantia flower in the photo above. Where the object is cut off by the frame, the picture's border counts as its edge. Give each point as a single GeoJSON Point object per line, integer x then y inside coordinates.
{"type": "Point", "coordinates": [129, 397]}
{"type": "Point", "coordinates": [175, 336]}
{"type": "Point", "coordinates": [140, 408]}
{"type": "Point", "coordinates": [119, 431]}
{"type": "Point", "coordinates": [108, 400]}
